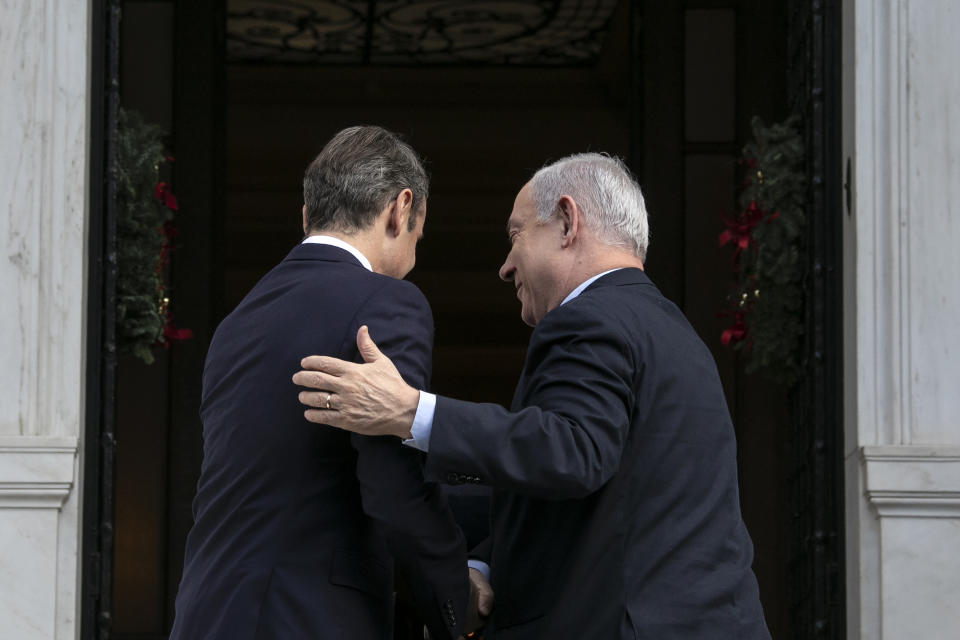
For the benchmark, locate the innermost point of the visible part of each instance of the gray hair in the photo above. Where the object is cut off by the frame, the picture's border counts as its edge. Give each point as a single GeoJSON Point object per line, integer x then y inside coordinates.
{"type": "Point", "coordinates": [606, 192]}
{"type": "Point", "coordinates": [356, 174]}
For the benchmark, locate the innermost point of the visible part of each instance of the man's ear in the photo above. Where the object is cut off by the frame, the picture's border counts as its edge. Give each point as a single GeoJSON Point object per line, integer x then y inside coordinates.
{"type": "Point", "coordinates": [569, 214]}
{"type": "Point", "coordinates": [401, 209]}
{"type": "Point", "coordinates": [305, 227]}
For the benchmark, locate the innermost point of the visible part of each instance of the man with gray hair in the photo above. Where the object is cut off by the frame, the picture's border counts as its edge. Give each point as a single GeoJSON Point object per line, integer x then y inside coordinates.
{"type": "Point", "coordinates": [296, 527]}
{"type": "Point", "coordinates": [616, 511]}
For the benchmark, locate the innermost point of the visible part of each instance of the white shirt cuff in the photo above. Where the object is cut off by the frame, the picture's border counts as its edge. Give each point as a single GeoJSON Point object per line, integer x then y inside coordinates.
{"type": "Point", "coordinates": [480, 566]}
{"type": "Point", "coordinates": [422, 422]}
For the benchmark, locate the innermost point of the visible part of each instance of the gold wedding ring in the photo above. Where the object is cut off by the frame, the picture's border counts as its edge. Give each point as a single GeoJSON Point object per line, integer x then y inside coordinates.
{"type": "Point", "coordinates": [328, 400]}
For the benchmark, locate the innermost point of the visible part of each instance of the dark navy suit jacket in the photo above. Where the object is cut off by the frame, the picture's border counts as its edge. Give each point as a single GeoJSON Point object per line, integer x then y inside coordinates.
{"type": "Point", "coordinates": [616, 513]}
{"type": "Point", "coordinates": [295, 523]}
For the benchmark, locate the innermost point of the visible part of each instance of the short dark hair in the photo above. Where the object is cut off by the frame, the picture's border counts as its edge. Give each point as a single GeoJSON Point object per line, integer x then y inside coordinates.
{"type": "Point", "coordinates": [356, 174]}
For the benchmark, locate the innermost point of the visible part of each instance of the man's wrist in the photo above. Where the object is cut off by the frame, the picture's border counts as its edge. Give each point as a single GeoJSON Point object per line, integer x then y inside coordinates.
{"type": "Point", "coordinates": [410, 403]}
{"type": "Point", "coordinates": [422, 422]}
{"type": "Point", "coordinates": [480, 567]}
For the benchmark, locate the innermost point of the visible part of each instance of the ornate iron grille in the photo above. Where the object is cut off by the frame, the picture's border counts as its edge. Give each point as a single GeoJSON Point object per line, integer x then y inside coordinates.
{"type": "Point", "coordinates": [815, 478]}
{"type": "Point", "coordinates": [397, 32]}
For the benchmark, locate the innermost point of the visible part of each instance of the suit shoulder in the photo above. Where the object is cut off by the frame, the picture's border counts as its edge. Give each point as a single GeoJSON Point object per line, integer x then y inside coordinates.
{"type": "Point", "coordinates": [395, 305]}
{"type": "Point", "coordinates": [573, 322]}
{"type": "Point", "coordinates": [626, 312]}
{"type": "Point", "coordinates": [586, 310]}
{"type": "Point", "coordinates": [624, 302]}
{"type": "Point", "coordinates": [404, 288]}
{"type": "Point", "coordinates": [392, 290]}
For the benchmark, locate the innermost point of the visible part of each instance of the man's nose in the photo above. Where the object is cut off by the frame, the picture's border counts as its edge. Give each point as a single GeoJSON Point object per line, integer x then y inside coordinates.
{"type": "Point", "coordinates": [507, 270]}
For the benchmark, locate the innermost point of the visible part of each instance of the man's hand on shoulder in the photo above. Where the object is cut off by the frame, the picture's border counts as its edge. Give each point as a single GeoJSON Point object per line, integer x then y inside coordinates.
{"type": "Point", "coordinates": [370, 399]}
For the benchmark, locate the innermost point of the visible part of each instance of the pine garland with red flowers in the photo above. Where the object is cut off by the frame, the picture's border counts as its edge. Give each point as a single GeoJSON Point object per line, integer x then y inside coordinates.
{"type": "Point", "coordinates": [768, 236]}
{"type": "Point", "coordinates": [144, 237]}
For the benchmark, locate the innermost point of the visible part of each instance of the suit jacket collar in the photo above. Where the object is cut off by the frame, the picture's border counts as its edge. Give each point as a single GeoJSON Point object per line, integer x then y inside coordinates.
{"type": "Point", "coordinates": [629, 275]}
{"type": "Point", "coordinates": [323, 253]}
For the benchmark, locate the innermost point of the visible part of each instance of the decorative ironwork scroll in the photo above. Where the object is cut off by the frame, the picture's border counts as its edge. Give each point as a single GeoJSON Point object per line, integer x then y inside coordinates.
{"type": "Point", "coordinates": [399, 32]}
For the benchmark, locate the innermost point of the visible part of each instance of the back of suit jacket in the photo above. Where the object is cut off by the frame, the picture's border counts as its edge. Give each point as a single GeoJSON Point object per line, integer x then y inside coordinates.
{"type": "Point", "coordinates": [617, 514]}
{"type": "Point", "coordinates": [294, 522]}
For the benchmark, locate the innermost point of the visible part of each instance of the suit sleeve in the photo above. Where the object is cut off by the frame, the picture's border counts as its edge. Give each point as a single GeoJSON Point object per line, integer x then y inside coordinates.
{"type": "Point", "coordinates": [482, 551]}
{"type": "Point", "coordinates": [412, 514]}
{"type": "Point", "coordinates": [566, 442]}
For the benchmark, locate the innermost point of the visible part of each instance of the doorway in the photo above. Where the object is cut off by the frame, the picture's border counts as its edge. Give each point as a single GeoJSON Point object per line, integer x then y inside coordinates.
{"type": "Point", "coordinates": [669, 86]}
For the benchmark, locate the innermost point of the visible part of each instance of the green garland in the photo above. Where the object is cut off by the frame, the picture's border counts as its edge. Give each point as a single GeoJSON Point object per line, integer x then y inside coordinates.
{"type": "Point", "coordinates": [768, 235]}
{"type": "Point", "coordinates": [145, 207]}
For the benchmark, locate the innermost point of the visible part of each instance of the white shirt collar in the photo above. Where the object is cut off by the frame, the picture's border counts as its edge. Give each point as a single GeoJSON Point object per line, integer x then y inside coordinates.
{"type": "Point", "coordinates": [337, 242]}
{"type": "Point", "coordinates": [586, 283]}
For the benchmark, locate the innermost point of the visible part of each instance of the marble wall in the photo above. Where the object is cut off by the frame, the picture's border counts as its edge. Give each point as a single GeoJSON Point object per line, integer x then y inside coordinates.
{"type": "Point", "coordinates": [44, 60]}
{"type": "Point", "coordinates": [902, 317]}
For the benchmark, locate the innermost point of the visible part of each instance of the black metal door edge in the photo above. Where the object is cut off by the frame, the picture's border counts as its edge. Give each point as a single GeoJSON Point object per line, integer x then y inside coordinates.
{"type": "Point", "coordinates": [815, 482]}
{"type": "Point", "coordinates": [96, 565]}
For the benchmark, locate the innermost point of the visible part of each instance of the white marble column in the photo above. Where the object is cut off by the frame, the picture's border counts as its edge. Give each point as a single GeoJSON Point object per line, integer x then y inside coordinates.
{"type": "Point", "coordinates": [44, 60]}
{"type": "Point", "coordinates": [902, 318]}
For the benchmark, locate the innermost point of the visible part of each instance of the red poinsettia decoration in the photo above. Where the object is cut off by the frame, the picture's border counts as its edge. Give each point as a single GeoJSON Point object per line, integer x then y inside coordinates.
{"type": "Point", "coordinates": [172, 334]}
{"type": "Point", "coordinates": [739, 230]}
{"type": "Point", "coordinates": [164, 195]}
{"type": "Point", "coordinates": [736, 331]}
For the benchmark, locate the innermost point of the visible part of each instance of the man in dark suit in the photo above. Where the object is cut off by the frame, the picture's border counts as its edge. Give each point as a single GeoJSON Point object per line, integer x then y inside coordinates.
{"type": "Point", "coordinates": [297, 527]}
{"type": "Point", "coordinates": [616, 511]}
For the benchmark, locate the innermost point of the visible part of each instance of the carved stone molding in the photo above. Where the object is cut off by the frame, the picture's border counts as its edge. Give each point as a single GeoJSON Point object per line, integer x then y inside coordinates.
{"type": "Point", "coordinates": [36, 472]}
{"type": "Point", "coordinates": [913, 481]}
{"type": "Point", "coordinates": [904, 315]}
